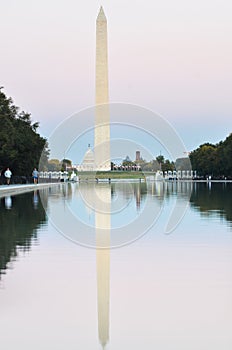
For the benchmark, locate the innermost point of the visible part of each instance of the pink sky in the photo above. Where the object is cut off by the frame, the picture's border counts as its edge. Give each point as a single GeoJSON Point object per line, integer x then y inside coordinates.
{"type": "Point", "coordinates": [171, 57]}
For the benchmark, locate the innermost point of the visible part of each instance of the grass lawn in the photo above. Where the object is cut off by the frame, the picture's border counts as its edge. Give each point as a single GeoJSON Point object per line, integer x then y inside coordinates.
{"type": "Point", "coordinates": [111, 174]}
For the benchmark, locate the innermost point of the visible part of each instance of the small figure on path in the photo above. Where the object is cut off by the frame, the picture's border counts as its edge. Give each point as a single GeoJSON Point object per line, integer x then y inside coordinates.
{"type": "Point", "coordinates": [8, 175]}
{"type": "Point", "coordinates": [35, 176]}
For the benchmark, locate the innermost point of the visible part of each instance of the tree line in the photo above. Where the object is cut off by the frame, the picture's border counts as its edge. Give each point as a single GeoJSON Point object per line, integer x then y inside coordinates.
{"type": "Point", "coordinates": [160, 163]}
{"type": "Point", "coordinates": [21, 146]}
{"type": "Point", "coordinates": [208, 160]}
{"type": "Point", "coordinates": [213, 160]}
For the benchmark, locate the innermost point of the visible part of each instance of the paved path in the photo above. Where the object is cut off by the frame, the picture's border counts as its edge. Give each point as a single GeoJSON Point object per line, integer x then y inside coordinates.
{"type": "Point", "coordinates": [16, 189]}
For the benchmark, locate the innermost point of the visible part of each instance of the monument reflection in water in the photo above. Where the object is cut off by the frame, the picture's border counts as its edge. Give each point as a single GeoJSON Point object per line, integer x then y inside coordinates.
{"type": "Point", "coordinates": [116, 200]}
{"type": "Point", "coordinates": [106, 205]}
{"type": "Point", "coordinates": [159, 284]}
{"type": "Point", "coordinates": [102, 223]}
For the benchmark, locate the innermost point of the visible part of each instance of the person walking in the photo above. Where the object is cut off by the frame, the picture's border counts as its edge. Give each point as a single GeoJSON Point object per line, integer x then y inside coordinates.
{"type": "Point", "coordinates": [8, 175]}
{"type": "Point", "coordinates": [35, 176]}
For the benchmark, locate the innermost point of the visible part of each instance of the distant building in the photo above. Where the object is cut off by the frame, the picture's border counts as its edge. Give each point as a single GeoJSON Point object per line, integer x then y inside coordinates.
{"type": "Point", "coordinates": [88, 163]}
{"type": "Point", "coordinates": [183, 164]}
{"type": "Point", "coordinates": [137, 156]}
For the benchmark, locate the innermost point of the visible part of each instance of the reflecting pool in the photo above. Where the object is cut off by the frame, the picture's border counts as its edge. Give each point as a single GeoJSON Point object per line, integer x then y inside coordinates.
{"type": "Point", "coordinates": [161, 276]}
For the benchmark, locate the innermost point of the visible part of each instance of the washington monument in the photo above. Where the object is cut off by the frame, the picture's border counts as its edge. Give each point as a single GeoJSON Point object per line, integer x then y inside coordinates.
{"type": "Point", "coordinates": [102, 194]}
{"type": "Point", "coordinates": [102, 114]}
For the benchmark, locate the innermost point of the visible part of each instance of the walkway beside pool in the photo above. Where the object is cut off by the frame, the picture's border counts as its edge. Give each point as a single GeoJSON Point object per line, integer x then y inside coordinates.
{"type": "Point", "coordinates": [6, 190]}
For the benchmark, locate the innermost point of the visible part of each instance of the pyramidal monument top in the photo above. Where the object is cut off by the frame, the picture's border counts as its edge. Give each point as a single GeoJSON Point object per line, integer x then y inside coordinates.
{"type": "Point", "coordinates": [101, 15]}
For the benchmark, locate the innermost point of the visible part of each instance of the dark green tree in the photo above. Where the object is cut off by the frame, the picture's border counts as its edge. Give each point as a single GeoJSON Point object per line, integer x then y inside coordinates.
{"type": "Point", "coordinates": [167, 165]}
{"type": "Point", "coordinates": [214, 160]}
{"type": "Point", "coordinates": [160, 159]}
{"type": "Point", "coordinates": [21, 147]}
{"type": "Point", "coordinates": [225, 156]}
{"type": "Point", "coordinates": [66, 164]}
{"type": "Point", "coordinates": [205, 160]}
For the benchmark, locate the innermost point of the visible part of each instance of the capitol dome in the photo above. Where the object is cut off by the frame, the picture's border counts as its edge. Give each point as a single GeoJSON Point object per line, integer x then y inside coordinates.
{"type": "Point", "coordinates": [88, 161]}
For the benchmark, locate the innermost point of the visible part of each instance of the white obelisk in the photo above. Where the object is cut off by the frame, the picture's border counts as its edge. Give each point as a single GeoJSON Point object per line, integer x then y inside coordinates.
{"type": "Point", "coordinates": [102, 115]}
{"type": "Point", "coordinates": [102, 194]}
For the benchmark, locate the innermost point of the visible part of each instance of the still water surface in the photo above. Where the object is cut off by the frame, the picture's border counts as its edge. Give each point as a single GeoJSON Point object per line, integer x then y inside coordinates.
{"type": "Point", "coordinates": [165, 291]}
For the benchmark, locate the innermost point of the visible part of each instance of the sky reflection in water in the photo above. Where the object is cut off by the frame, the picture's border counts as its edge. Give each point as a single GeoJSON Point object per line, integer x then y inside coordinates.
{"type": "Point", "coordinates": [167, 291]}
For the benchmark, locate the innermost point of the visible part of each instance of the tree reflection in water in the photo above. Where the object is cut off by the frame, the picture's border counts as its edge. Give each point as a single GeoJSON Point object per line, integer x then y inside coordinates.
{"type": "Point", "coordinates": [213, 198]}
{"type": "Point", "coordinates": [20, 217]}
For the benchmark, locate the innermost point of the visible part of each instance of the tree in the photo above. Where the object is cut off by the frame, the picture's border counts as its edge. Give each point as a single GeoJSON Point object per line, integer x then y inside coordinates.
{"type": "Point", "coordinates": [214, 160]}
{"type": "Point", "coordinates": [54, 165]}
{"type": "Point", "coordinates": [205, 160]}
{"type": "Point", "coordinates": [153, 165]}
{"type": "Point", "coordinates": [225, 156]}
{"type": "Point", "coordinates": [21, 147]}
{"type": "Point", "coordinates": [65, 164]}
{"type": "Point", "coordinates": [160, 159]}
{"type": "Point", "coordinates": [167, 165]}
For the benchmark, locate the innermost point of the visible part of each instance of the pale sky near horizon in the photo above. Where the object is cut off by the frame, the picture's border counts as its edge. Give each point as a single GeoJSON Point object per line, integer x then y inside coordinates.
{"type": "Point", "coordinates": [172, 57]}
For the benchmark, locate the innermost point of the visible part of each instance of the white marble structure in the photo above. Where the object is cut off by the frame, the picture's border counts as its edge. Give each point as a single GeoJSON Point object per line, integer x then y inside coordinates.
{"type": "Point", "coordinates": [88, 163]}
{"type": "Point", "coordinates": [102, 115]}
